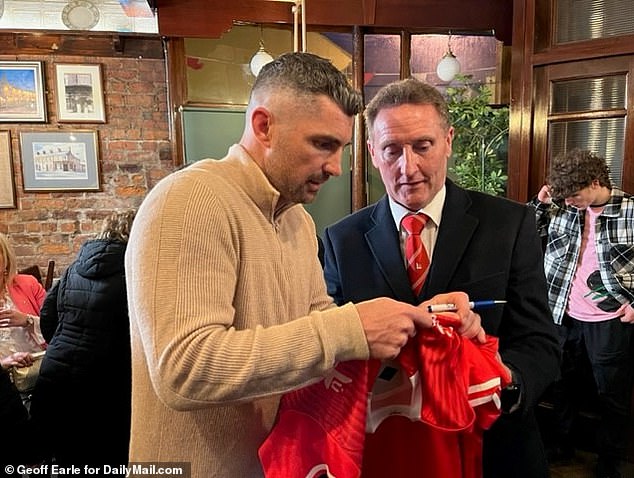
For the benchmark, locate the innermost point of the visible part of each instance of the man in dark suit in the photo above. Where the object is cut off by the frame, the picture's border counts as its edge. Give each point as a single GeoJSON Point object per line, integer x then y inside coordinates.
{"type": "Point", "coordinates": [479, 244]}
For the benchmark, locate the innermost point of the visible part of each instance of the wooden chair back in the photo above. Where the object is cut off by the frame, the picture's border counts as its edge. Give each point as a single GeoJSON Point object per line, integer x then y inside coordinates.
{"type": "Point", "coordinates": [50, 271]}
{"type": "Point", "coordinates": [34, 270]}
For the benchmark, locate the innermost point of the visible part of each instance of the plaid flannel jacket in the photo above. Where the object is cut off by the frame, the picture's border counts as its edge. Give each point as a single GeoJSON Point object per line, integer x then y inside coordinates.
{"type": "Point", "coordinates": [614, 244]}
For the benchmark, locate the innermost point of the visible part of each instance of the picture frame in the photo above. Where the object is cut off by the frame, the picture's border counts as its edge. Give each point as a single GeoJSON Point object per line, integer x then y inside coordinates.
{"type": "Point", "coordinates": [7, 183]}
{"type": "Point", "coordinates": [80, 97]}
{"type": "Point", "coordinates": [22, 92]}
{"type": "Point", "coordinates": [65, 160]}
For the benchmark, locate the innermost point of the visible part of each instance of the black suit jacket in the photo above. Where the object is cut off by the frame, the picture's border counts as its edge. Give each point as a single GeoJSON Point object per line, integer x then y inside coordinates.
{"type": "Point", "coordinates": [487, 247]}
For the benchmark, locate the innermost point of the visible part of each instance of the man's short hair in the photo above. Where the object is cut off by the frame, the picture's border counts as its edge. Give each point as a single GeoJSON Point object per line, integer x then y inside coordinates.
{"type": "Point", "coordinates": [305, 73]}
{"type": "Point", "coordinates": [404, 92]}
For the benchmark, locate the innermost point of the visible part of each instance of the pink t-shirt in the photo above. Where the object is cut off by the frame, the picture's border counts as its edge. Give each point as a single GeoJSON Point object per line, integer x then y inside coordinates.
{"type": "Point", "coordinates": [587, 290]}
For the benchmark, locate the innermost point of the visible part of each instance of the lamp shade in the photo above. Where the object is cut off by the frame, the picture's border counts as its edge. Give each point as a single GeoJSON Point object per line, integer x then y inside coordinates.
{"type": "Point", "coordinates": [260, 59]}
{"type": "Point", "coordinates": [448, 67]}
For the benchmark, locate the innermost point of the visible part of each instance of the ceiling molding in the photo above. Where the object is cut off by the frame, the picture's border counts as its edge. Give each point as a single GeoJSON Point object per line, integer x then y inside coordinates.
{"type": "Point", "coordinates": [212, 18]}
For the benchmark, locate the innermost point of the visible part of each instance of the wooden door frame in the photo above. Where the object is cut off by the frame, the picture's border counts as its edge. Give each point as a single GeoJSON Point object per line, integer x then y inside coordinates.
{"type": "Point", "coordinates": [533, 51]}
{"type": "Point", "coordinates": [544, 77]}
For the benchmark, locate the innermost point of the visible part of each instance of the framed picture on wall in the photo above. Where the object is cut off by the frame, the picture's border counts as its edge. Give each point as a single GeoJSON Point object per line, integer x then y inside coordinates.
{"type": "Point", "coordinates": [79, 96]}
{"type": "Point", "coordinates": [66, 160]}
{"type": "Point", "coordinates": [7, 184]}
{"type": "Point", "coordinates": [22, 97]}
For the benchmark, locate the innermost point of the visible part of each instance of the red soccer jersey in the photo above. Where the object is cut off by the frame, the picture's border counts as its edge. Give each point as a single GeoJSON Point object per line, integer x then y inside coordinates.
{"type": "Point", "coordinates": [439, 396]}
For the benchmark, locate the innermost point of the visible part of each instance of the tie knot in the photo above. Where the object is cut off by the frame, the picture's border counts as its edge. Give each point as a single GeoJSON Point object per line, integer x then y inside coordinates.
{"type": "Point", "coordinates": [414, 223]}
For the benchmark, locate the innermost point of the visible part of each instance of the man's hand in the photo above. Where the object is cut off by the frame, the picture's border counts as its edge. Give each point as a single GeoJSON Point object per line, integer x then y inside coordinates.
{"type": "Point", "coordinates": [470, 322]}
{"type": "Point", "coordinates": [628, 313]}
{"type": "Point", "coordinates": [389, 324]}
{"type": "Point", "coordinates": [506, 369]}
{"type": "Point", "coordinates": [544, 195]}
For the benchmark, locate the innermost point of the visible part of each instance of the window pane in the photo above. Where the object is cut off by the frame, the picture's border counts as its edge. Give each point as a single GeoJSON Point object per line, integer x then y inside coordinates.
{"type": "Point", "coordinates": [477, 56]}
{"type": "Point", "coordinates": [218, 73]}
{"type": "Point", "coordinates": [382, 62]}
{"type": "Point", "coordinates": [589, 19]}
{"type": "Point", "coordinates": [604, 137]}
{"type": "Point", "coordinates": [218, 70]}
{"type": "Point", "coordinates": [589, 94]}
{"type": "Point", "coordinates": [479, 159]}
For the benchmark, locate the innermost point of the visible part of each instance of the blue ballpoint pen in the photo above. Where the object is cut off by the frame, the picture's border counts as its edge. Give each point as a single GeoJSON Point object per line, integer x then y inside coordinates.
{"type": "Point", "coordinates": [478, 304]}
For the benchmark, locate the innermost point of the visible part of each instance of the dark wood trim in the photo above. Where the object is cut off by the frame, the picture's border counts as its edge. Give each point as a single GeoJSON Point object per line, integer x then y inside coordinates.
{"type": "Point", "coordinates": [368, 11]}
{"type": "Point", "coordinates": [543, 26]}
{"type": "Point", "coordinates": [586, 115]}
{"type": "Point", "coordinates": [539, 152]}
{"type": "Point", "coordinates": [590, 67]}
{"type": "Point", "coordinates": [358, 185]}
{"type": "Point", "coordinates": [521, 101]}
{"type": "Point", "coordinates": [176, 95]}
{"type": "Point", "coordinates": [536, 62]}
{"type": "Point", "coordinates": [628, 159]}
{"type": "Point", "coordinates": [543, 78]}
{"type": "Point", "coordinates": [93, 44]}
{"type": "Point", "coordinates": [211, 18]}
{"type": "Point", "coordinates": [585, 50]}
{"type": "Point", "coordinates": [406, 54]}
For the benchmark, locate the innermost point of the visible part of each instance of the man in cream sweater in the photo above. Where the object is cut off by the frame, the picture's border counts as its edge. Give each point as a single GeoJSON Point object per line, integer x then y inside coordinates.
{"type": "Point", "coordinates": [228, 305]}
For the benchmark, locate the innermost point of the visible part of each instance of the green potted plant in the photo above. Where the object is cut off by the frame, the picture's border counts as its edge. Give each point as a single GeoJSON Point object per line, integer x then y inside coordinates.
{"type": "Point", "coordinates": [480, 137]}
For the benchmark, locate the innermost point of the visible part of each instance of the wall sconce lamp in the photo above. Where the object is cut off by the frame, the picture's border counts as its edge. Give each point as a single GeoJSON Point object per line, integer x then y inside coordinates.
{"type": "Point", "coordinates": [449, 66]}
{"type": "Point", "coordinates": [261, 57]}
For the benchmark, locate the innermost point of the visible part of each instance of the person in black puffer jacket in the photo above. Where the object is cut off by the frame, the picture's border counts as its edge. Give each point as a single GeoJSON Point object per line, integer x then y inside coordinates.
{"type": "Point", "coordinates": [84, 386]}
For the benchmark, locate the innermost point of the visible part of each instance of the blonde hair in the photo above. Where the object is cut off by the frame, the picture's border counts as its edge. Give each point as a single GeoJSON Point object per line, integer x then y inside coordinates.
{"type": "Point", "coordinates": [117, 226]}
{"type": "Point", "coordinates": [8, 258]}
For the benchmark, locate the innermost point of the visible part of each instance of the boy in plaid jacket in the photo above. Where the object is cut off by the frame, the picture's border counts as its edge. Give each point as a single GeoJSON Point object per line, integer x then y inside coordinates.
{"type": "Point", "coordinates": [589, 266]}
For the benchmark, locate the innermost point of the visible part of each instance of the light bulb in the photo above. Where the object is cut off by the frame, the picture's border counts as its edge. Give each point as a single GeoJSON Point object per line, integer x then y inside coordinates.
{"type": "Point", "coordinates": [448, 67]}
{"type": "Point", "coordinates": [260, 59]}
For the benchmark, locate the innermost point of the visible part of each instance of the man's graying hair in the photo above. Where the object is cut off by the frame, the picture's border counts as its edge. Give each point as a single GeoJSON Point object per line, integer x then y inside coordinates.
{"type": "Point", "coordinates": [307, 73]}
{"type": "Point", "coordinates": [406, 92]}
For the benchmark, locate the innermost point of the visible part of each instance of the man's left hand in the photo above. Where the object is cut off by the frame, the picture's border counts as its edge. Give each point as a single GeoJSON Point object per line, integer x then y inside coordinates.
{"type": "Point", "coordinates": [628, 314]}
{"type": "Point", "coordinates": [470, 323]}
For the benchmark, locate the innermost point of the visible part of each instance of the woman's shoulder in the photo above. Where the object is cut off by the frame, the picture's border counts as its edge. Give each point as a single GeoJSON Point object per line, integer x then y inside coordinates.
{"type": "Point", "coordinates": [25, 280]}
{"type": "Point", "coordinates": [28, 286]}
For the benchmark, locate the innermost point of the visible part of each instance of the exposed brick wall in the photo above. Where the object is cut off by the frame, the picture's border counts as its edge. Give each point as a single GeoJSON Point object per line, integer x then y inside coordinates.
{"type": "Point", "coordinates": [134, 150]}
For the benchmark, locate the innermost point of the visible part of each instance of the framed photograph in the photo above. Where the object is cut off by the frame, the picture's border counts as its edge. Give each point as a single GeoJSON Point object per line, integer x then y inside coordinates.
{"type": "Point", "coordinates": [79, 93]}
{"type": "Point", "coordinates": [7, 184]}
{"type": "Point", "coordinates": [60, 160]}
{"type": "Point", "coordinates": [22, 97]}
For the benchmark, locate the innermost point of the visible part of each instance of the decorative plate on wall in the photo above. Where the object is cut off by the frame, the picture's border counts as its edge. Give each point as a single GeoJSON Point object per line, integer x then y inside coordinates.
{"type": "Point", "coordinates": [80, 15]}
